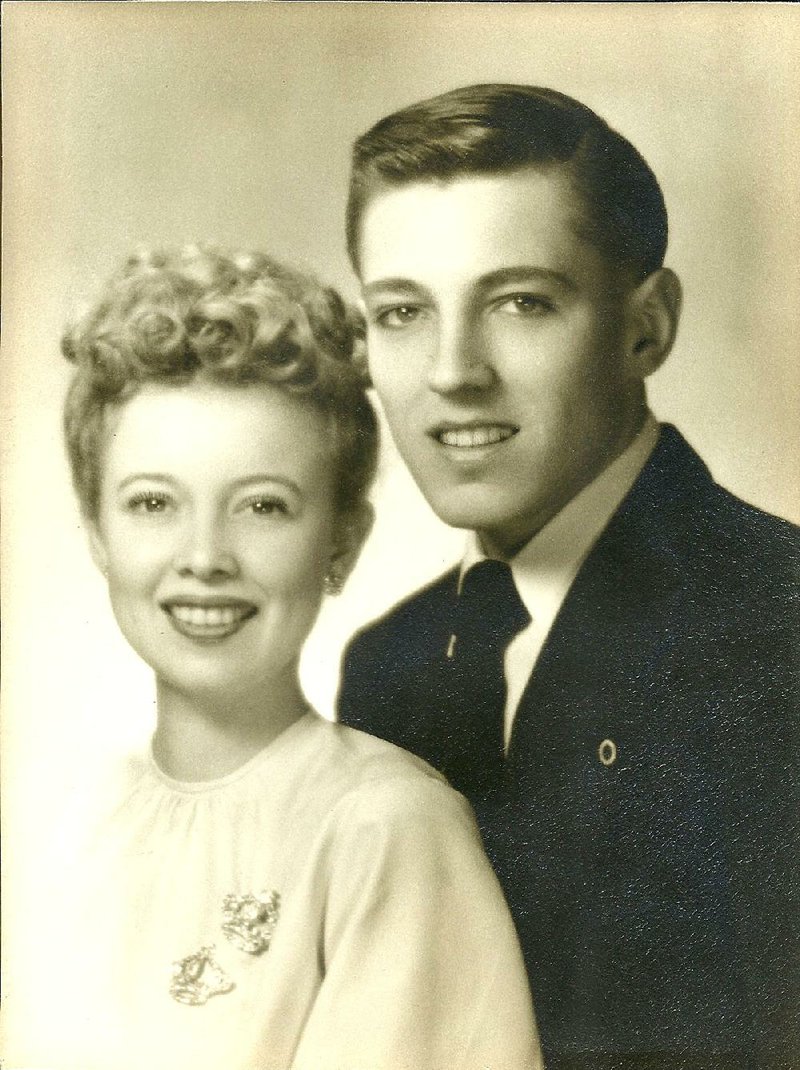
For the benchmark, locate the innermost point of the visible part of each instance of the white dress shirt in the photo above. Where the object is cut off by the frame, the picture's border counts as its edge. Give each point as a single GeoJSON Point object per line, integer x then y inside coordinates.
{"type": "Point", "coordinates": [545, 567]}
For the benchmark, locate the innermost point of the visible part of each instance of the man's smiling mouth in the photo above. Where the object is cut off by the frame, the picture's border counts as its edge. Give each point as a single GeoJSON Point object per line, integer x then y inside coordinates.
{"type": "Point", "coordinates": [475, 436]}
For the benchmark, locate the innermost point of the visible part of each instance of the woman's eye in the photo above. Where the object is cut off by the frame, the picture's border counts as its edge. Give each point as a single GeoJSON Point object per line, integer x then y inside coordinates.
{"type": "Point", "coordinates": [148, 502]}
{"type": "Point", "coordinates": [527, 305]}
{"type": "Point", "coordinates": [397, 316]}
{"type": "Point", "coordinates": [266, 506]}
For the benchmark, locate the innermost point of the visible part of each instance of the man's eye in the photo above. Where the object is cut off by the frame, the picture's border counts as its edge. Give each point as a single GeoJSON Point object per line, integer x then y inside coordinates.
{"type": "Point", "coordinates": [527, 305]}
{"type": "Point", "coordinates": [148, 502]}
{"type": "Point", "coordinates": [397, 316]}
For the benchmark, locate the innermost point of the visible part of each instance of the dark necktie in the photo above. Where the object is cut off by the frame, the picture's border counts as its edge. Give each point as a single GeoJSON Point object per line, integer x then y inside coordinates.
{"type": "Point", "coordinates": [489, 614]}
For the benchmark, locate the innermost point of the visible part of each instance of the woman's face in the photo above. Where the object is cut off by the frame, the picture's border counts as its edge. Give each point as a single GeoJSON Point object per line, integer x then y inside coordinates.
{"type": "Point", "coordinates": [215, 530]}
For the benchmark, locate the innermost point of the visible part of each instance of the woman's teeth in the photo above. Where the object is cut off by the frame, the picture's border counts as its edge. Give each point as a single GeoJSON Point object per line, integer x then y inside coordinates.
{"type": "Point", "coordinates": [209, 622]}
{"type": "Point", "coordinates": [472, 437]}
{"type": "Point", "coordinates": [211, 617]}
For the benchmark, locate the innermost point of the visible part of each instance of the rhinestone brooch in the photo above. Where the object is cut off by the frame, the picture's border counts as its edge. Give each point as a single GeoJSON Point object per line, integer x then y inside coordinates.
{"type": "Point", "coordinates": [249, 920]}
{"type": "Point", "coordinates": [198, 977]}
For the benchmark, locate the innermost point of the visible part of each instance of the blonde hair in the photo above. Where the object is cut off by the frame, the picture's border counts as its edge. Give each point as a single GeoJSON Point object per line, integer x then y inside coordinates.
{"type": "Point", "coordinates": [173, 316]}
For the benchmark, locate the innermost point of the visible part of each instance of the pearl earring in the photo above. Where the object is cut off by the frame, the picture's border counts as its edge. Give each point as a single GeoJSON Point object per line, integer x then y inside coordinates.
{"type": "Point", "coordinates": [334, 581]}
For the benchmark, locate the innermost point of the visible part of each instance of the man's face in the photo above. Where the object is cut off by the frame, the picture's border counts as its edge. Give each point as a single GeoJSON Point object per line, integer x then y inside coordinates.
{"type": "Point", "coordinates": [496, 344]}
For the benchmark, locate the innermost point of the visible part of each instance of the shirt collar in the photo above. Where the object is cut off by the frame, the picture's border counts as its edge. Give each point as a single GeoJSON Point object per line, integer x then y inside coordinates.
{"type": "Point", "coordinates": [546, 566]}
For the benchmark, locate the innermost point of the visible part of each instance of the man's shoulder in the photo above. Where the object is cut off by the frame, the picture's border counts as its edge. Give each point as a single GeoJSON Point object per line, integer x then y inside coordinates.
{"type": "Point", "coordinates": [420, 614]}
{"type": "Point", "coordinates": [678, 507]}
{"type": "Point", "coordinates": [743, 528]}
{"type": "Point", "coordinates": [388, 665]}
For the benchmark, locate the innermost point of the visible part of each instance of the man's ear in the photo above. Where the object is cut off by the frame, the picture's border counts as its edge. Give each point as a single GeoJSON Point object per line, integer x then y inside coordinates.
{"type": "Point", "coordinates": [351, 534]}
{"type": "Point", "coordinates": [97, 546]}
{"type": "Point", "coordinates": [653, 311]}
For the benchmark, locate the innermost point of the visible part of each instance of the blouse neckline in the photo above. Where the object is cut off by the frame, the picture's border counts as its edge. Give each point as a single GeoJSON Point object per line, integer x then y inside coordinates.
{"type": "Point", "coordinates": [264, 757]}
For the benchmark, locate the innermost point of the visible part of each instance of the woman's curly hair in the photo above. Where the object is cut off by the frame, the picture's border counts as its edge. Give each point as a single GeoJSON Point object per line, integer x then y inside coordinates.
{"type": "Point", "coordinates": [173, 316]}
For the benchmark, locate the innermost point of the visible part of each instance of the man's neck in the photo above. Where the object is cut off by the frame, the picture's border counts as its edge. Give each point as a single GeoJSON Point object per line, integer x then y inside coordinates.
{"type": "Point", "coordinates": [582, 516]}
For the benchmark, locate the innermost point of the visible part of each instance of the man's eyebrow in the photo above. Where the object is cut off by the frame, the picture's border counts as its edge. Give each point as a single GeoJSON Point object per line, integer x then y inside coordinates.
{"type": "Point", "coordinates": [523, 273]}
{"type": "Point", "coordinates": [397, 285]}
{"type": "Point", "coordinates": [518, 274]}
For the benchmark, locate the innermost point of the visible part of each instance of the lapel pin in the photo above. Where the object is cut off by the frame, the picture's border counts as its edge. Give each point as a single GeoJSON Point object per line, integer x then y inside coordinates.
{"type": "Point", "coordinates": [607, 752]}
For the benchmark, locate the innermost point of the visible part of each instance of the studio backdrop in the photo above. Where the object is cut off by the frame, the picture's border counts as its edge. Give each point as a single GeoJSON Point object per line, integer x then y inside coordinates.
{"type": "Point", "coordinates": [153, 124]}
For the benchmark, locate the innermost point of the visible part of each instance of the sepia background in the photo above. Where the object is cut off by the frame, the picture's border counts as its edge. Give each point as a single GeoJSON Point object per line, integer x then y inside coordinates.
{"type": "Point", "coordinates": [163, 123]}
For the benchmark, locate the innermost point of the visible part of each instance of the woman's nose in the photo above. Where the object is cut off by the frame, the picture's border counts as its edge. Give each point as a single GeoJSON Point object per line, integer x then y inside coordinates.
{"type": "Point", "coordinates": [460, 360]}
{"type": "Point", "coordinates": [206, 555]}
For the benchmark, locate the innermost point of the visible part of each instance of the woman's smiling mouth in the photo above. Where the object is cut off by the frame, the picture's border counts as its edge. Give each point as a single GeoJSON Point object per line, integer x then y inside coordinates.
{"type": "Point", "coordinates": [207, 620]}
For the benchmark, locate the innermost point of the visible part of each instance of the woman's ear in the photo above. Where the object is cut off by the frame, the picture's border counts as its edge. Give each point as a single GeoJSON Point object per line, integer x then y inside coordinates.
{"type": "Point", "coordinates": [654, 309]}
{"type": "Point", "coordinates": [97, 546]}
{"type": "Point", "coordinates": [351, 534]}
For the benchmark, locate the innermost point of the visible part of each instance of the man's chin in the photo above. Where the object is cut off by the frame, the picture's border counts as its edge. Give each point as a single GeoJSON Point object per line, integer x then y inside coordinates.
{"type": "Point", "coordinates": [502, 531]}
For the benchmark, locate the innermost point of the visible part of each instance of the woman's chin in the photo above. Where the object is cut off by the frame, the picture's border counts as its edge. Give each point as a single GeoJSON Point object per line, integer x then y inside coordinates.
{"type": "Point", "coordinates": [226, 685]}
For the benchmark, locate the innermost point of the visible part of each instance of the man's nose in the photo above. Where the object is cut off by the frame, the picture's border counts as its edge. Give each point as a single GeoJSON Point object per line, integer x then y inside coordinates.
{"type": "Point", "coordinates": [460, 359]}
{"type": "Point", "coordinates": [206, 554]}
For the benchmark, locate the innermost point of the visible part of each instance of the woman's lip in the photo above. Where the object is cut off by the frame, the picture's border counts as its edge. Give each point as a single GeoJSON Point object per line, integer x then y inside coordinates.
{"type": "Point", "coordinates": [208, 619]}
{"type": "Point", "coordinates": [206, 601]}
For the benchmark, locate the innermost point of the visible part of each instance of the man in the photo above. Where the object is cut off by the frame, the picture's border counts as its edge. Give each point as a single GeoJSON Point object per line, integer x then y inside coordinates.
{"type": "Point", "coordinates": [633, 770]}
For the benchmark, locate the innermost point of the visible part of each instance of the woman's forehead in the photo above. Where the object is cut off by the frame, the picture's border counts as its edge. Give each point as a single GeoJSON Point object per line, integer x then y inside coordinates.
{"type": "Point", "coordinates": [211, 430]}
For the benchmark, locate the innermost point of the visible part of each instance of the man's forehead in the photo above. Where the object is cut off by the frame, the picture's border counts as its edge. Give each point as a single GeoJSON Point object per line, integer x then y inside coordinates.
{"type": "Point", "coordinates": [483, 190]}
{"type": "Point", "coordinates": [530, 216]}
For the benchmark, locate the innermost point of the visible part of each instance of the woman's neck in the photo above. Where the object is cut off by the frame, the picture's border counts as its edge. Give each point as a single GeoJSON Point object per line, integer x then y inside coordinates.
{"type": "Point", "coordinates": [202, 738]}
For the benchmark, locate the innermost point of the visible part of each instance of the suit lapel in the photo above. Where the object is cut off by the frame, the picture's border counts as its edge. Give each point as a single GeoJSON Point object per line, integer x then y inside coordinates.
{"type": "Point", "coordinates": [614, 624]}
{"type": "Point", "coordinates": [432, 728]}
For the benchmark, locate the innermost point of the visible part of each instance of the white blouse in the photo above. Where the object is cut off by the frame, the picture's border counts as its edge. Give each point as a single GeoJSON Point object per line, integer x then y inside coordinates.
{"type": "Point", "coordinates": [327, 906]}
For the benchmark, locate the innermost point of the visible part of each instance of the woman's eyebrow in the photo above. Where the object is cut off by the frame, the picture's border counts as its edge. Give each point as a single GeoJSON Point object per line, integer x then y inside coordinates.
{"type": "Point", "coordinates": [243, 481]}
{"type": "Point", "coordinates": [266, 477]}
{"type": "Point", "coordinates": [134, 477]}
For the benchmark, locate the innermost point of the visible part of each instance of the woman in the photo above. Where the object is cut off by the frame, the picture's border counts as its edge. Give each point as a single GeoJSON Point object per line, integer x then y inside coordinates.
{"type": "Point", "coordinates": [269, 890]}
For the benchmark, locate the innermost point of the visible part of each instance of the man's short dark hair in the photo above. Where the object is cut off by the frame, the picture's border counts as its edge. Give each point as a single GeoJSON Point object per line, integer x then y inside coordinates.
{"type": "Point", "coordinates": [489, 129]}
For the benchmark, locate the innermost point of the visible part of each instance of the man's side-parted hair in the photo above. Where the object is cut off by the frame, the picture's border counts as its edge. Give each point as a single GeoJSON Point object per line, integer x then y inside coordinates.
{"type": "Point", "coordinates": [170, 317]}
{"type": "Point", "coordinates": [489, 129]}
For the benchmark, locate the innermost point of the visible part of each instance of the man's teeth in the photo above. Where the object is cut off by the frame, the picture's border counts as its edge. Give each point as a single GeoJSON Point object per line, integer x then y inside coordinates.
{"type": "Point", "coordinates": [212, 617]}
{"type": "Point", "coordinates": [470, 437]}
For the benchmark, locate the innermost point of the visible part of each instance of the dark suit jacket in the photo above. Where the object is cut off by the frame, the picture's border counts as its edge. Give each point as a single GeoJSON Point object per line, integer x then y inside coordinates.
{"type": "Point", "coordinates": [657, 898]}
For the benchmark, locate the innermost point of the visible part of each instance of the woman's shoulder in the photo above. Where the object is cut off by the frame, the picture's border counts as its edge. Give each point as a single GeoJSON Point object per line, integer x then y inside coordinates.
{"type": "Point", "coordinates": [360, 759]}
{"type": "Point", "coordinates": [376, 781]}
